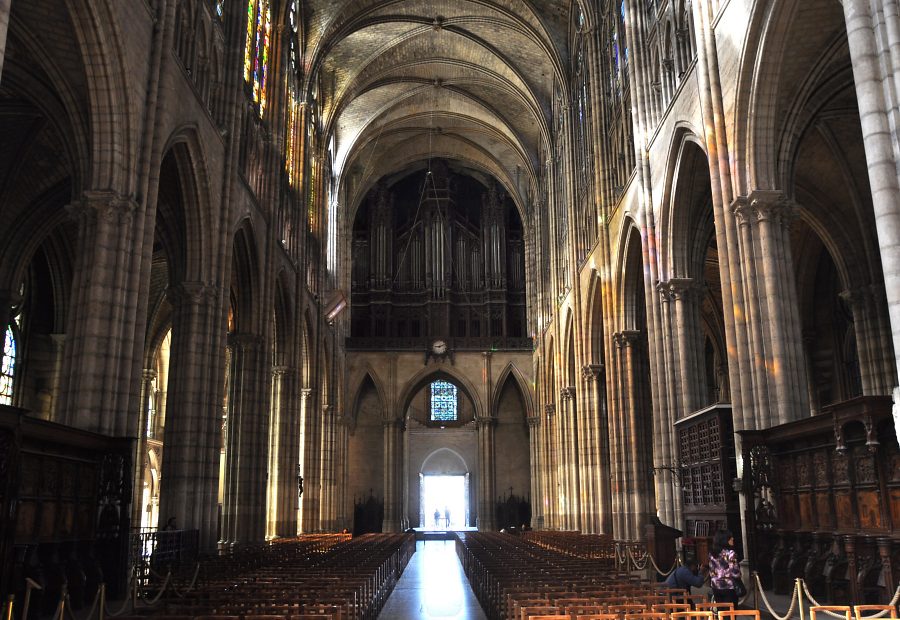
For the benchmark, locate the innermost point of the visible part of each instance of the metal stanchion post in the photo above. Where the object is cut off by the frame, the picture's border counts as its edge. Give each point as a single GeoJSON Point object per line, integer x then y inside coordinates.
{"type": "Point", "coordinates": [757, 584]}
{"type": "Point", "coordinates": [8, 614]}
{"type": "Point", "coordinates": [30, 584]}
{"type": "Point", "coordinates": [62, 601]}
{"type": "Point", "coordinates": [799, 589]}
{"type": "Point", "coordinates": [101, 614]}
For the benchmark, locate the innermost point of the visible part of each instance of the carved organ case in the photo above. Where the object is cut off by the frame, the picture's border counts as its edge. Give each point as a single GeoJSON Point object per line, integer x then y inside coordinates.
{"type": "Point", "coordinates": [438, 254]}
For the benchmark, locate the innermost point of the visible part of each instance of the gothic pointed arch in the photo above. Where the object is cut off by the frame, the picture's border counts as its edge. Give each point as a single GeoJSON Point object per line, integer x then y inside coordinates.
{"type": "Point", "coordinates": [368, 380]}
{"type": "Point", "coordinates": [428, 374]}
{"type": "Point", "coordinates": [512, 373]}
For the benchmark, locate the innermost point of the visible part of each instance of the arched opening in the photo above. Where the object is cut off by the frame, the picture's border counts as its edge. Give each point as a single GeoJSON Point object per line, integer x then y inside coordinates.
{"type": "Point", "coordinates": [513, 471]}
{"type": "Point", "coordinates": [428, 431]}
{"type": "Point", "coordinates": [365, 484]}
{"type": "Point", "coordinates": [444, 497]}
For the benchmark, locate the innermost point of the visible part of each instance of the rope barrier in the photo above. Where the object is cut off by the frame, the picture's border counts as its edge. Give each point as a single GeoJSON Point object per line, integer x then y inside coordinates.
{"type": "Point", "coordinates": [93, 605]}
{"type": "Point", "coordinates": [30, 584]}
{"type": "Point", "coordinates": [635, 561]}
{"type": "Point", "coordinates": [162, 591]}
{"type": "Point", "coordinates": [659, 571]}
{"type": "Point", "coordinates": [130, 600]}
{"type": "Point", "coordinates": [790, 611]}
{"type": "Point", "coordinates": [61, 606]}
{"type": "Point", "coordinates": [880, 614]}
{"type": "Point", "coordinates": [190, 587]}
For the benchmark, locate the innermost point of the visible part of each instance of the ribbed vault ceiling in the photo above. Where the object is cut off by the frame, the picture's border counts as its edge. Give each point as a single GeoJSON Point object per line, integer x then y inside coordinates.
{"type": "Point", "coordinates": [404, 81]}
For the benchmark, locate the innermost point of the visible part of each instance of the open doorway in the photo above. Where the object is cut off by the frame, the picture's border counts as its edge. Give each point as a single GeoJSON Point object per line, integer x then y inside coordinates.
{"type": "Point", "coordinates": [444, 503]}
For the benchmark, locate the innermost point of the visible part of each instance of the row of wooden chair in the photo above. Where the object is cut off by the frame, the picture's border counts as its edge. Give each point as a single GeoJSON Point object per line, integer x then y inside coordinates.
{"type": "Point", "coordinates": [856, 612]}
{"type": "Point", "coordinates": [506, 571]}
{"type": "Point", "coordinates": [310, 576]}
{"type": "Point", "coordinates": [601, 547]}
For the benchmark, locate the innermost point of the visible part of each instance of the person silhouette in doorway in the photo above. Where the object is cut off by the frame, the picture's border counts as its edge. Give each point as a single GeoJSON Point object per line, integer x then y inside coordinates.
{"type": "Point", "coordinates": [437, 517]}
{"type": "Point", "coordinates": [446, 517]}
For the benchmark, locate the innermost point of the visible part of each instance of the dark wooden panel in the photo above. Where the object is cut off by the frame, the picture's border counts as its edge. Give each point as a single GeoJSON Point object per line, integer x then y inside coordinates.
{"type": "Point", "coordinates": [843, 505]}
{"type": "Point", "coordinates": [804, 501]}
{"type": "Point", "coordinates": [824, 512]}
{"type": "Point", "coordinates": [869, 504]}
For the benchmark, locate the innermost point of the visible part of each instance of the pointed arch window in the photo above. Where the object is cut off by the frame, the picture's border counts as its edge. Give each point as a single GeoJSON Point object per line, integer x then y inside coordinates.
{"type": "Point", "coordinates": [443, 401]}
{"type": "Point", "coordinates": [9, 362]}
{"type": "Point", "coordinates": [256, 51]}
{"type": "Point", "coordinates": [292, 105]}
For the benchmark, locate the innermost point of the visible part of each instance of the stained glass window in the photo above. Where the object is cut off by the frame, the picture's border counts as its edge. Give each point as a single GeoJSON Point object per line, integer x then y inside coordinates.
{"type": "Point", "coordinates": [292, 141]}
{"type": "Point", "coordinates": [8, 368]}
{"type": "Point", "coordinates": [443, 401]}
{"type": "Point", "coordinates": [220, 9]}
{"type": "Point", "coordinates": [256, 52]}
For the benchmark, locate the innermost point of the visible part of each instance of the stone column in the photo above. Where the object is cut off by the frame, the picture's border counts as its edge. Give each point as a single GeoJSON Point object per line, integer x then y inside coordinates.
{"type": "Point", "coordinates": [283, 454]}
{"type": "Point", "coordinates": [246, 453]}
{"type": "Point", "coordinates": [636, 483]}
{"type": "Point", "coordinates": [675, 386]}
{"type": "Point", "coordinates": [98, 384]}
{"type": "Point", "coordinates": [874, 42]}
{"type": "Point", "coordinates": [551, 492]}
{"type": "Point", "coordinates": [785, 339]}
{"type": "Point", "coordinates": [619, 448]}
{"type": "Point", "coordinates": [758, 380]}
{"type": "Point", "coordinates": [572, 459]}
{"type": "Point", "coordinates": [487, 487]}
{"type": "Point", "coordinates": [5, 6]}
{"type": "Point", "coordinates": [393, 445]}
{"type": "Point", "coordinates": [563, 459]}
{"type": "Point", "coordinates": [534, 451]}
{"type": "Point", "coordinates": [600, 469]}
{"type": "Point", "coordinates": [683, 298]}
{"type": "Point", "coordinates": [194, 400]}
{"type": "Point", "coordinates": [327, 466]}
{"type": "Point", "coordinates": [148, 375]}
{"type": "Point", "coordinates": [309, 501]}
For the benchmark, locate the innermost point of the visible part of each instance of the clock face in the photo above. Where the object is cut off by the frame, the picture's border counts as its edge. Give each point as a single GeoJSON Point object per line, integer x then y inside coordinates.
{"type": "Point", "coordinates": [438, 347]}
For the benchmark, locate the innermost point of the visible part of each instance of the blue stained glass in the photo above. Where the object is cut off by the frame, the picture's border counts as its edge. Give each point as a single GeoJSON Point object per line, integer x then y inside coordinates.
{"type": "Point", "coordinates": [7, 371]}
{"type": "Point", "coordinates": [443, 401]}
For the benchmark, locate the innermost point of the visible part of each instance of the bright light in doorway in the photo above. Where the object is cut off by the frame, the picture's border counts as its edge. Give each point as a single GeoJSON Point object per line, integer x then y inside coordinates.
{"type": "Point", "coordinates": [443, 497]}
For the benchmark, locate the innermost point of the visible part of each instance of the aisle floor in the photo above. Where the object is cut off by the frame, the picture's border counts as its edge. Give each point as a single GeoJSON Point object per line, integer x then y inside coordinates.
{"type": "Point", "coordinates": [433, 586]}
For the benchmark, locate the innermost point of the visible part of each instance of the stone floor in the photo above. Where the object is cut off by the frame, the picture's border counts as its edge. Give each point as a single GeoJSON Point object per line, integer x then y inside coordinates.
{"type": "Point", "coordinates": [433, 586]}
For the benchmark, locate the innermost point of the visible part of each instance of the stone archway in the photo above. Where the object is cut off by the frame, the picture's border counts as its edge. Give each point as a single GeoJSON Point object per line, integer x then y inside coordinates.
{"type": "Point", "coordinates": [445, 490]}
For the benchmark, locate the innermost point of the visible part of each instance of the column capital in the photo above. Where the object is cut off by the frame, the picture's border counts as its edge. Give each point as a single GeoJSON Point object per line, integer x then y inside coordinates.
{"type": "Point", "coordinates": [567, 393]}
{"type": "Point", "coordinates": [485, 422]}
{"type": "Point", "coordinates": [740, 207]}
{"type": "Point", "coordinates": [245, 342]}
{"type": "Point", "coordinates": [681, 287]}
{"type": "Point", "coordinates": [107, 204]}
{"type": "Point", "coordinates": [191, 293]}
{"type": "Point", "coordinates": [665, 294]}
{"type": "Point", "coordinates": [549, 409]}
{"type": "Point", "coordinates": [626, 338]}
{"type": "Point", "coordinates": [306, 393]}
{"type": "Point", "coordinates": [9, 298]}
{"type": "Point", "coordinates": [149, 374]}
{"type": "Point", "coordinates": [394, 423]}
{"type": "Point", "coordinates": [280, 370]}
{"type": "Point", "coordinates": [772, 205]}
{"type": "Point", "coordinates": [592, 371]}
{"type": "Point", "coordinates": [534, 422]}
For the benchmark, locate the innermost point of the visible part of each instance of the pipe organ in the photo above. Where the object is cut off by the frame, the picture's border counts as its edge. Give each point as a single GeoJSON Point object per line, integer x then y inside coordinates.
{"type": "Point", "coordinates": [438, 254]}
